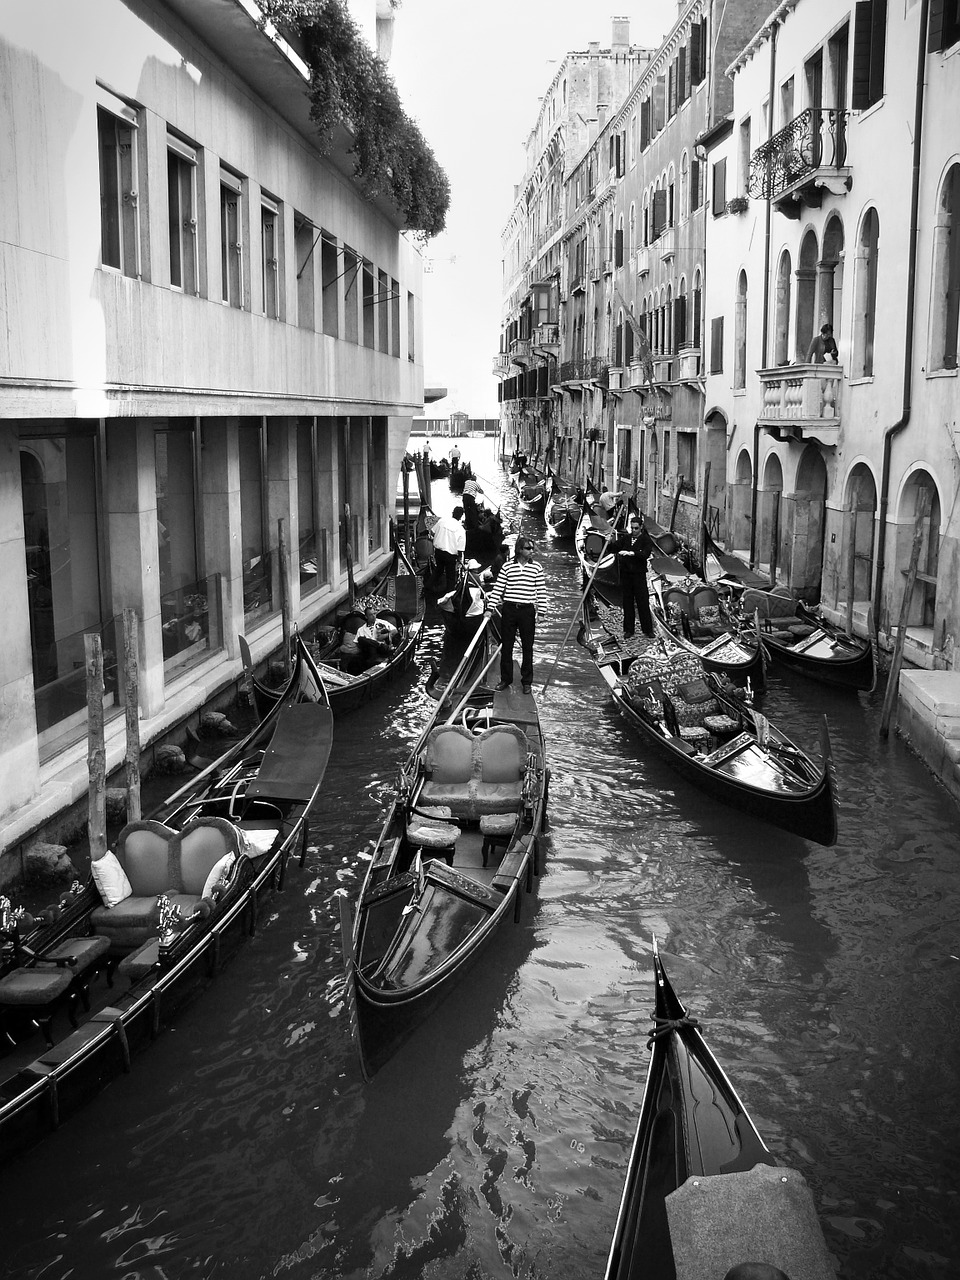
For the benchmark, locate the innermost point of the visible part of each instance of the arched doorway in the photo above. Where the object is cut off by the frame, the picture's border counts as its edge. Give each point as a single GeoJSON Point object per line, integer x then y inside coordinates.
{"type": "Point", "coordinates": [804, 525]}
{"type": "Point", "coordinates": [741, 498]}
{"type": "Point", "coordinates": [860, 513]}
{"type": "Point", "coordinates": [923, 606]}
{"type": "Point", "coordinates": [769, 513]}
{"type": "Point", "coordinates": [715, 459]}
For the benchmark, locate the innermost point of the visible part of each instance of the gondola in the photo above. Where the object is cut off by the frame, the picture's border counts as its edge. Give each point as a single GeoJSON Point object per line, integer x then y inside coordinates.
{"type": "Point", "coordinates": [199, 870]}
{"type": "Point", "coordinates": [703, 726]}
{"type": "Point", "coordinates": [398, 598]}
{"type": "Point", "coordinates": [564, 508]}
{"type": "Point", "coordinates": [702, 1192]}
{"type": "Point", "coordinates": [804, 641]}
{"type": "Point", "coordinates": [593, 544]}
{"type": "Point", "coordinates": [694, 615]}
{"type": "Point", "coordinates": [532, 488]}
{"type": "Point", "coordinates": [459, 845]}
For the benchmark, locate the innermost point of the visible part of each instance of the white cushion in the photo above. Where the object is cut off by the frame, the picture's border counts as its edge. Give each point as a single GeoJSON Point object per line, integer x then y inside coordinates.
{"type": "Point", "coordinates": [110, 879]}
{"type": "Point", "coordinates": [217, 872]}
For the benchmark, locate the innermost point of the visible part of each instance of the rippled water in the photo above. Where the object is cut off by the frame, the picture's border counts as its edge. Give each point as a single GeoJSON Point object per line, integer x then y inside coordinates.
{"type": "Point", "coordinates": [244, 1144]}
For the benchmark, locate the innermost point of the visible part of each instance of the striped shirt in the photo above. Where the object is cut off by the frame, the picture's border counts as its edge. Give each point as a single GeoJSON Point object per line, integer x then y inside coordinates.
{"type": "Point", "coordinates": [519, 584]}
{"type": "Point", "coordinates": [471, 488]}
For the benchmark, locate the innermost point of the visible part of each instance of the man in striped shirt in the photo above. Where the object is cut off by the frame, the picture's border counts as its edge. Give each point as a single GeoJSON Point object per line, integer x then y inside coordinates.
{"type": "Point", "coordinates": [471, 491]}
{"type": "Point", "coordinates": [519, 592]}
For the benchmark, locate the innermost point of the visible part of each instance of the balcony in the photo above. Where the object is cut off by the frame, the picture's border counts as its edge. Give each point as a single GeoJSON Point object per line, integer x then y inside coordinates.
{"type": "Point", "coordinates": [520, 352]}
{"type": "Point", "coordinates": [608, 266]}
{"type": "Point", "coordinates": [615, 379]}
{"type": "Point", "coordinates": [802, 402]}
{"type": "Point", "coordinates": [802, 162]}
{"type": "Point", "coordinates": [578, 284]}
{"type": "Point", "coordinates": [663, 368]}
{"type": "Point", "coordinates": [643, 261]}
{"type": "Point", "coordinates": [689, 360]}
{"type": "Point", "coordinates": [586, 369]}
{"type": "Point", "coordinates": [545, 337]}
{"type": "Point", "coordinates": [667, 243]}
{"type": "Point", "coordinates": [501, 365]}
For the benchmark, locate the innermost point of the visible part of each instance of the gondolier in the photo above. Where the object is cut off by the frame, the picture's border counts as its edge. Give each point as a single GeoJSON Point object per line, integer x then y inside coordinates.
{"type": "Point", "coordinates": [471, 492]}
{"type": "Point", "coordinates": [449, 544]}
{"type": "Point", "coordinates": [634, 549]}
{"type": "Point", "coordinates": [520, 590]}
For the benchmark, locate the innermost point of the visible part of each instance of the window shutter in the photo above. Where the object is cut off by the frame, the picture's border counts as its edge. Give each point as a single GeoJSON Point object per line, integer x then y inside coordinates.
{"type": "Point", "coordinates": [719, 187]}
{"type": "Point", "coordinates": [683, 79]}
{"type": "Point", "coordinates": [672, 89]}
{"type": "Point", "coordinates": [679, 323]}
{"type": "Point", "coordinates": [944, 25]}
{"type": "Point", "coordinates": [878, 42]}
{"type": "Point", "coordinates": [695, 334]}
{"type": "Point", "coordinates": [696, 53]}
{"type": "Point", "coordinates": [644, 124]}
{"type": "Point", "coordinates": [659, 213]}
{"type": "Point", "coordinates": [862, 38]}
{"type": "Point", "coordinates": [618, 247]}
{"type": "Point", "coordinates": [716, 345]}
{"type": "Point", "coordinates": [657, 98]}
{"type": "Point", "coordinates": [694, 185]}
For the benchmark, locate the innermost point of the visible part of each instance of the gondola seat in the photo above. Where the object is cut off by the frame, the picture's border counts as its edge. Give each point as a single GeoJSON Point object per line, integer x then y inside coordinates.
{"type": "Point", "coordinates": [474, 775]}
{"type": "Point", "coordinates": [159, 860]}
{"type": "Point", "coordinates": [496, 829]}
{"type": "Point", "coordinates": [448, 768]}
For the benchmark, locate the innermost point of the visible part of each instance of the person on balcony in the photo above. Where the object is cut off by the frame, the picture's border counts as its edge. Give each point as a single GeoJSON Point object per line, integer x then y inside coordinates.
{"type": "Point", "coordinates": [823, 348]}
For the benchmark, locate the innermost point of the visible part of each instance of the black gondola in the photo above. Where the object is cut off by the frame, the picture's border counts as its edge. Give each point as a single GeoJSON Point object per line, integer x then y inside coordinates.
{"type": "Point", "coordinates": [692, 613]}
{"type": "Point", "coordinates": [532, 487]}
{"type": "Point", "coordinates": [220, 845]}
{"type": "Point", "coordinates": [397, 597]}
{"type": "Point", "coordinates": [711, 736]}
{"type": "Point", "coordinates": [458, 846]}
{"type": "Point", "coordinates": [564, 507]}
{"type": "Point", "coordinates": [702, 1192]}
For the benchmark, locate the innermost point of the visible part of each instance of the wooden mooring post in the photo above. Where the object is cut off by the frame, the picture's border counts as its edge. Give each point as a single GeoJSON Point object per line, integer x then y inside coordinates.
{"type": "Point", "coordinates": [131, 707]}
{"type": "Point", "coordinates": [96, 748]}
{"type": "Point", "coordinates": [285, 612]}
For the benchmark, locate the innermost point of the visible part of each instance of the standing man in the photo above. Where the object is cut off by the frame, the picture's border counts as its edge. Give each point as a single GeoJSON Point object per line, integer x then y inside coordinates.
{"type": "Point", "coordinates": [455, 457]}
{"type": "Point", "coordinates": [471, 491]}
{"type": "Point", "coordinates": [633, 551]}
{"type": "Point", "coordinates": [519, 592]}
{"type": "Point", "coordinates": [449, 544]}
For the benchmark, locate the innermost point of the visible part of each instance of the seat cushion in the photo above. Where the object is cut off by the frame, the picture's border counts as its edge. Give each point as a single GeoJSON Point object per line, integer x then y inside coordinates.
{"type": "Point", "coordinates": [449, 754]}
{"type": "Point", "coordinates": [199, 847]}
{"type": "Point", "coordinates": [502, 750]}
{"type": "Point", "coordinates": [34, 986]}
{"type": "Point", "coordinates": [145, 853]}
{"type": "Point", "coordinates": [86, 952]}
{"type": "Point", "coordinates": [432, 835]}
{"type": "Point", "coordinates": [129, 923]}
{"type": "Point", "coordinates": [498, 824]}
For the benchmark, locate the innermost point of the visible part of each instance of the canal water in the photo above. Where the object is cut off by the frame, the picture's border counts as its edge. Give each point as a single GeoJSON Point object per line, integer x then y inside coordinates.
{"type": "Point", "coordinates": [244, 1144]}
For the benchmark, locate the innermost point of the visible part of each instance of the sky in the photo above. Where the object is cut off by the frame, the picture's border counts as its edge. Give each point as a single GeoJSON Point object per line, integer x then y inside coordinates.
{"type": "Point", "coordinates": [470, 75]}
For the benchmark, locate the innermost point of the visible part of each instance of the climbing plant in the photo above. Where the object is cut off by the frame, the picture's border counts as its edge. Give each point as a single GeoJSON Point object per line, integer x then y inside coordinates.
{"type": "Point", "coordinates": [350, 86]}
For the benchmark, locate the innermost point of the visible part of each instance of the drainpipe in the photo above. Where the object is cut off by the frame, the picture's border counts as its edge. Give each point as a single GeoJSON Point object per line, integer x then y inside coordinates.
{"type": "Point", "coordinates": [908, 330]}
{"type": "Point", "coordinates": [774, 28]}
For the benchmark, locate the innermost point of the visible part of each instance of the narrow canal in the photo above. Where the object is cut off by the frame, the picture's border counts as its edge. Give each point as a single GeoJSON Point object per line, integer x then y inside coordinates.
{"type": "Point", "coordinates": [245, 1144]}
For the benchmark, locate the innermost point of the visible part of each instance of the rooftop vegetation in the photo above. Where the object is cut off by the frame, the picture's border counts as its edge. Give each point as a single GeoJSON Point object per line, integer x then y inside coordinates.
{"type": "Point", "coordinates": [350, 86]}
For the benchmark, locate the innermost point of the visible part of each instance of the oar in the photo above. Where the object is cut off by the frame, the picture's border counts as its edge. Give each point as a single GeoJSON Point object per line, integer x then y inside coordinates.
{"type": "Point", "coordinates": [461, 667]}
{"type": "Point", "coordinates": [576, 615]}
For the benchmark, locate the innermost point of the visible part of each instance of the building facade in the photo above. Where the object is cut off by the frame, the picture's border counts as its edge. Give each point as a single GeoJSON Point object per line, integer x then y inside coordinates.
{"type": "Point", "coordinates": [211, 353]}
{"type": "Point", "coordinates": [844, 165]}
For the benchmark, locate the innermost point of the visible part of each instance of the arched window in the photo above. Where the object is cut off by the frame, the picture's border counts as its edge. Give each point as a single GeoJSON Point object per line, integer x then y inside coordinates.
{"type": "Point", "coordinates": [632, 236]}
{"type": "Point", "coordinates": [627, 341]}
{"type": "Point", "coordinates": [781, 350]}
{"type": "Point", "coordinates": [865, 296]}
{"type": "Point", "coordinates": [945, 291]}
{"type": "Point", "coordinates": [681, 318]}
{"type": "Point", "coordinates": [684, 184]}
{"type": "Point", "coordinates": [671, 194]}
{"type": "Point", "coordinates": [740, 335]}
{"type": "Point", "coordinates": [806, 294]}
{"type": "Point", "coordinates": [696, 322]}
{"type": "Point", "coordinates": [669, 345]}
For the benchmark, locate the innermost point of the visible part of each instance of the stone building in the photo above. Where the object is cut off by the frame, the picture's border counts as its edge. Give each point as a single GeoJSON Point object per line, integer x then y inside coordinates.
{"type": "Point", "coordinates": [210, 335]}
{"type": "Point", "coordinates": [842, 169]}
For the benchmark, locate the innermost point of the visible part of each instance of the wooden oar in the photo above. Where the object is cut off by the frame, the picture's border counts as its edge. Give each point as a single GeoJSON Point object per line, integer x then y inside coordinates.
{"type": "Point", "coordinates": [576, 615]}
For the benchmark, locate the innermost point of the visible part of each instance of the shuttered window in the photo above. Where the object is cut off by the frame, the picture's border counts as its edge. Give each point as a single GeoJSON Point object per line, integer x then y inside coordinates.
{"type": "Point", "coordinates": [719, 187]}
{"type": "Point", "coordinates": [716, 345]}
{"type": "Point", "coordinates": [694, 185]}
{"type": "Point", "coordinates": [659, 213]}
{"type": "Point", "coordinates": [944, 24]}
{"type": "Point", "coordinates": [644, 124]}
{"type": "Point", "coordinates": [618, 247]}
{"type": "Point", "coordinates": [869, 40]}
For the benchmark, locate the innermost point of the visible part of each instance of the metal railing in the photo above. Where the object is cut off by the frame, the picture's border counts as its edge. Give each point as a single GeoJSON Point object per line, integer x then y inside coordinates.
{"type": "Point", "coordinates": [815, 139]}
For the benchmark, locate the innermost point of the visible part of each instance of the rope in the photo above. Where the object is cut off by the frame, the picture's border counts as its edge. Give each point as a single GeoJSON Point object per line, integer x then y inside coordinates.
{"type": "Point", "coordinates": [667, 1026]}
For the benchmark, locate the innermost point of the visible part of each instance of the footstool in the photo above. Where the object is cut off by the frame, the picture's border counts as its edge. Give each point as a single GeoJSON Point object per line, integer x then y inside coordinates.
{"type": "Point", "coordinates": [428, 830]}
{"type": "Point", "coordinates": [88, 957]}
{"type": "Point", "coordinates": [36, 994]}
{"type": "Point", "coordinates": [496, 828]}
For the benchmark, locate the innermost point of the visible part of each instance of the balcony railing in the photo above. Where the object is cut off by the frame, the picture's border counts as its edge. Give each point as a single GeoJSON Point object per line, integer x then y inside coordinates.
{"type": "Point", "coordinates": [667, 244]}
{"type": "Point", "coordinates": [813, 145]}
{"type": "Point", "coordinates": [643, 261]}
{"type": "Point", "coordinates": [546, 335]}
{"type": "Point", "coordinates": [802, 401]}
{"type": "Point", "coordinates": [587, 368]}
{"type": "Point", "coordinates": [520, 349]}
{"type": "Point", "coordinates": [578, 284]}
{"type": "Point", "coordinates": [501, 365]}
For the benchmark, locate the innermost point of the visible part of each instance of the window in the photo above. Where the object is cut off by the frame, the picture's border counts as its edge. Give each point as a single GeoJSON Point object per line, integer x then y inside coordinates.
{"type": "Point", "coordinates": [633, 141]}
{"type": "Point", "coordinates": [305, 237]}
{"type": "Point", "coordinates": [719, 202]}
{"type": "Point", "coordinates": [117, 144]}
{"type": "Point", "coordinates": [330, 275]}
{"type": "Point", "coordinates": [182, 214]}
{"type": "Point", "coordinates": [624, 453]}
{"type": "Point", "coordinates": [782, 311]}
{"type": "Point", "coordinates": [696, 337]}
{"type": "Point", "coordinates": [945, 293]}
{"type": "Point", "coordinates": [411, 327]}
{"type": "Point", "coordinates": [698, 51]}
{"type": "Point", "coordinates": [865, 296]}
{"type": "Point", "coordinates": [743, 167]}
{"type": "Point", "coordinates": [231, 239]}
{"type": "Point", "coordinates": [659, 213]}
{"type": "Point", "coordinates": [351, 292]}
{"type": "Point", "coordinates": [740, 335]}
{"type": "Point", "coordinates": [257, 595]}
{"type": "Point", "coordinates": [270, 249]}
{"type": "Point", "coordinates": [680, 318]}
{"type": "Point", "coordinates": [786, 101]}
{"type": "Point", "coordinates": [687, 461]}
{"type": "Point", "coordinates": [869, 40]}
{"type": "Point", "coordinates": [395, 319]}
{"type": "Point", "coordinates": [312, 548]}
{"type": "Point", "coordinates": [944, 25]}
{"type": "Point", "coordinates": [618, 246]}
{"type": "Point", "coordinates": [632, 236]}
{"type": "Point", "coordinates": [186, 606]}
{"type": "Point", "coordinates": [716, 345]}
{"type": "Point", "coordinates": [695, 192]}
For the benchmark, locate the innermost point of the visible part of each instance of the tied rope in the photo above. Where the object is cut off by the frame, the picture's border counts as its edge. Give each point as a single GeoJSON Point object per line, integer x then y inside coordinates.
{"type": "Point", "coordinates": [666, 1026]}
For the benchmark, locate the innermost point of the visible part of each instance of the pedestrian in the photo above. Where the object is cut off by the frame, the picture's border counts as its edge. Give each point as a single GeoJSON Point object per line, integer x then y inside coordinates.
{"type": "Point", "coordinates": [449, 544]}
{"type": "Point", "coordinates": [519, 592]}
{"type": "Point", "coordinates": [634, 549]}
{"type": "Point", "coordinates": [823, 349]}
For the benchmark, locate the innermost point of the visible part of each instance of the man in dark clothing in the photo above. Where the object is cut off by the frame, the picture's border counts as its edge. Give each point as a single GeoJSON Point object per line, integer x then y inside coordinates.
{"type": "Point", "coordinates": [633, 551]}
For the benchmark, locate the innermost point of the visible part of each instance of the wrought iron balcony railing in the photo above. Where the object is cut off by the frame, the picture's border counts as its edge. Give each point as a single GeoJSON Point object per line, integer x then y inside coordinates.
{"type": "Point", "coordinates": [816, 139]}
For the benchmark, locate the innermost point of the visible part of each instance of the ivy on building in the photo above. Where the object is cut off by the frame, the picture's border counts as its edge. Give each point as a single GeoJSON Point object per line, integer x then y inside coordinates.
{"type": "Point", "coordinates": [350, 86]}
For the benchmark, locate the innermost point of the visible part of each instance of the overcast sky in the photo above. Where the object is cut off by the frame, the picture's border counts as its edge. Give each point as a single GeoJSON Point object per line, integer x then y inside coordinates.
{"type": "Point", "coordinates": [470, 75]}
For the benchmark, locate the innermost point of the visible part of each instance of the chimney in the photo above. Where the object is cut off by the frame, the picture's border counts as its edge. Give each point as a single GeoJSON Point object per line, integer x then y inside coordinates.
{"type": "Point", "coordinates": [621, 33]}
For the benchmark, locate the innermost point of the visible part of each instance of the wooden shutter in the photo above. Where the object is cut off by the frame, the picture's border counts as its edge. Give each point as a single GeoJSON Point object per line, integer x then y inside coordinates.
{"type": "Point", "coordinates": [719, 187]}
{"type": "Point", "coordinates": [869, 40]}
{"type": "Point", "coordinates": [944, 25]}
{"type": "Point", "coordinates": [696, 53]}
{"type": "Point", "coordinates": [657, 99]}
{"type": "Point", "coordinates": [716, 345]}
{"type": "Point", "coordinates": [683, 79]}
{"type": "Point", "coordinates": [694, 185]}
{"type": "Point", "coordinates": [878, 48]}
{"type": "Point", "coordinates": [618, 247]}
{"type": "Point", "coordinates": [672, 89]}
{"type": "Point", "coordinates": [659, 213]}
{"type": "Point", "coordinates": [644, 124]}
{"type": "Point", "coordinates": [695, 334]}
{"type": "Point", "coordinates": [679, 323]}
